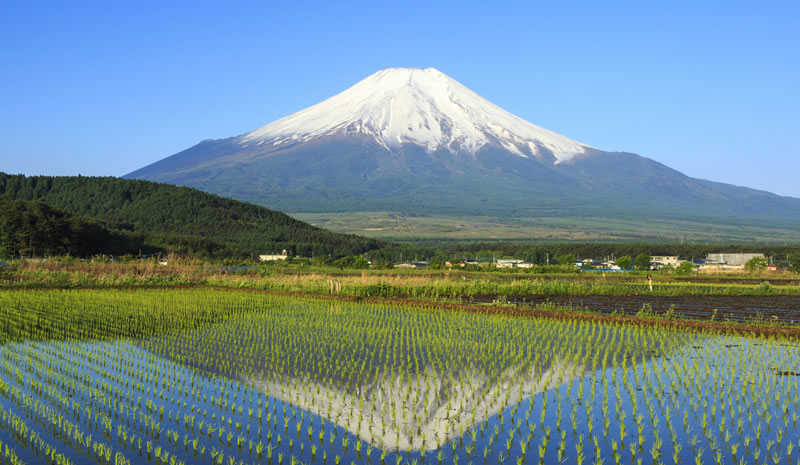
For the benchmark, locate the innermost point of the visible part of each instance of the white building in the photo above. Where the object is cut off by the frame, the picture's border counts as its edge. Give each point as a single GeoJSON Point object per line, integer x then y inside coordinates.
{"type": "Point", "coordinates": [507, 262]}
{"type": "Point", "coordinates": [731, 259]}
{"type": "Point", "coordinates": [660, 261]}
{"type": "Point", "coordinates": [412, 265]}
{"type": "Point", "coordinates": [269, 258]}
{"type": "Point", "coordinates": [511, 263]}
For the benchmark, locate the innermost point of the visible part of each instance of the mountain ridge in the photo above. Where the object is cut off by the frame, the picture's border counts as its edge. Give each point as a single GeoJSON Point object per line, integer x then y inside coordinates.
{"type": "Point", "coordinates": [334, 156]}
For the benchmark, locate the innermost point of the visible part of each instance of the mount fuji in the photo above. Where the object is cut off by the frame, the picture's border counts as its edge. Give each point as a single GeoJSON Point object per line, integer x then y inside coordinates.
{"type": "Point", "coordinates": [416, 140]}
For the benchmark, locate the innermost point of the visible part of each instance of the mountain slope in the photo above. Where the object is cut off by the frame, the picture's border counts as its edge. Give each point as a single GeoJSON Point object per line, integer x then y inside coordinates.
{"type": "Point", "coordinates": [417, 140]}
{"type": "Point", "coordinates": [32, 228]}
{"type": "Point", "coordinates": [182, 218]}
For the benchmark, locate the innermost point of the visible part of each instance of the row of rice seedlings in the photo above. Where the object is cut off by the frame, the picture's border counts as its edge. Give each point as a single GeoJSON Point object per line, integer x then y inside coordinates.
{"type": "Point", "coordinates": [49, 387]}
{"type": "Point", "coordinates": [104, 388]}
{"type": "Point", "coordinates": [392, 377]}
{"type": "Point", "coordinates": [26, 436]}
{"type": "Point", "coordinates": [9, 455]}
{"type": "Point", "coordinates": [97, 394]}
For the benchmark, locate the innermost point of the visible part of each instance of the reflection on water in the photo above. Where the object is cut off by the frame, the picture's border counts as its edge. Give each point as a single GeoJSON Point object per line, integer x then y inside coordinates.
{"type": "Point", "coordinates": [421, 411]}
{"type": "Point", "coordinates": [407, 381]}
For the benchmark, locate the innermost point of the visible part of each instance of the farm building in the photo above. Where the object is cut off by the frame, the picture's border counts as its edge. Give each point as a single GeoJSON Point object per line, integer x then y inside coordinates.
{"type": "Point", "coordinates": [507, 262]}
{"type": "Point", "coordinates": [411, 265]}
{"type": "Point", "coordinates": [660, 261]}
{"type": "Point", "coordinates": [726, 262]}
{"type": "Point", "coordinates": [467, 262]}
{"type": "Point", "coordinates": [731, 259]}
{"type": "Point", "coordinates": [511, 263]}
{"type": "Point", "coordinates": [268, 258]}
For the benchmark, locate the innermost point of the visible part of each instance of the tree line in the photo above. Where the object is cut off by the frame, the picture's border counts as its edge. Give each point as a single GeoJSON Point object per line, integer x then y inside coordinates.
{"type": "Point", "coordinates": [561, 253]}
{"type": "Point", "coordinates": [32, 228]}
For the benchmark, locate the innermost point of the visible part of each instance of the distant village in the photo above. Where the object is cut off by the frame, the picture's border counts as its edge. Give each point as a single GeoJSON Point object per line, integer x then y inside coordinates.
{"type": "Point", "coordinates": [711, 263]}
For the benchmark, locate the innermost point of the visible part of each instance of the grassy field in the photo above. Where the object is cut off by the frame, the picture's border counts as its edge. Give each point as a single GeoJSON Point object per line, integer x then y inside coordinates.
{"type": "Point", "coordinates": [403, 283]}
{"type": "Point", "coordinates": [400, 227]}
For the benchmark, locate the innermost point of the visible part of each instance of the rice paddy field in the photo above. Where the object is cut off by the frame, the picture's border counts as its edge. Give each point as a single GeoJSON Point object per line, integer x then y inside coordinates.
{"type": "Point", "coordinates": [220, 376]}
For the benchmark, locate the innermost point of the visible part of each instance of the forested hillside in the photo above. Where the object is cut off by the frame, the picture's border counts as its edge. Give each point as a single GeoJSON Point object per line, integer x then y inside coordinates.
{"type": "Point", "coordinates": [180, 218]}
{"type": "Point", "coordinates": [32, 228]}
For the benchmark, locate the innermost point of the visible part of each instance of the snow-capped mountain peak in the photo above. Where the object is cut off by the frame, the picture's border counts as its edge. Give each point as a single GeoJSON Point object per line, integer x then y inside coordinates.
{"type": "Point", "coordinates": [420, 106]}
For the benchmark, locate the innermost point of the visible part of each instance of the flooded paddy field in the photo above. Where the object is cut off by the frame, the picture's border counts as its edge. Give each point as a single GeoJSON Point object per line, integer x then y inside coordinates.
{"type": "Point", "coordinates": [222, 377]}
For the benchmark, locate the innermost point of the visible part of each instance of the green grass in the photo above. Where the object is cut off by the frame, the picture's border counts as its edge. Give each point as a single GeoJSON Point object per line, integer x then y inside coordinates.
{"type": "Point", "coordinates": [381, 283]}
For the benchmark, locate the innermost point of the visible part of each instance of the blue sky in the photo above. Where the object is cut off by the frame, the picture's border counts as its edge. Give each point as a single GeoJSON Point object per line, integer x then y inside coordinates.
{"type": "Point", "coordinates": [709, 88]}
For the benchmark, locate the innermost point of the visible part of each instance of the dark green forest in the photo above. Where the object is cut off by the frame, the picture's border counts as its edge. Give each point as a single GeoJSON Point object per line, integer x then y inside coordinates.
{"type": "Point", "coordinates": [32, 228]}
{"type": "Point", "coordinates": [87, 215]}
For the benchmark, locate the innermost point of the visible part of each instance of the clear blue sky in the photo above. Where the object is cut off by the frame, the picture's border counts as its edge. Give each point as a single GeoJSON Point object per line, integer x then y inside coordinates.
{"type": "Point", "coordinates": [709, 88]}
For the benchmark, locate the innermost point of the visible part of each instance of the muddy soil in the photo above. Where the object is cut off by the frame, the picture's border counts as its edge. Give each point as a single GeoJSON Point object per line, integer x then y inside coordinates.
{"type": "Point", "coordinates": [783, 308]}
